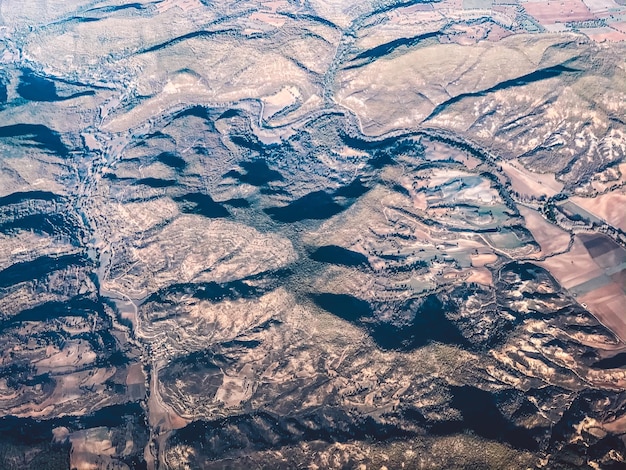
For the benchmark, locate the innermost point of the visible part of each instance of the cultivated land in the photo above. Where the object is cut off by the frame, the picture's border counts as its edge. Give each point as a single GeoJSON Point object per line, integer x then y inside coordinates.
{"type": "Point", "coordinates": [312, 234]}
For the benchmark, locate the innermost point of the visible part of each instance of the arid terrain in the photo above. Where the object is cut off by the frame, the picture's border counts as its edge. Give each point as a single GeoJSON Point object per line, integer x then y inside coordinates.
{"type": "Point", "coordinates": [322, 234]}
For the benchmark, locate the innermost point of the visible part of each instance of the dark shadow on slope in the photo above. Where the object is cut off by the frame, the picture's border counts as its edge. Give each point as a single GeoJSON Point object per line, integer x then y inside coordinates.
{"type": "Point", "coordinates": [386, 7]}
{"type": "Point", "coordinates": [565, 445]}
{"type": "Point", "coordinates": [429, 324]}
{"type": "Point", "coordinates": [229, 113]}
{"type": "Point", "coordinates": [343, 306]}
{"type": "Point", "coordinates": [536, 76]}
{"type": "Point", "coordinates": [36, 88]}
{"type": "Point", "coordinates": [317, 205]}
{"type": "Point", "coordinates": [353, 190]}
{"type": "Point", "coordinates": [32, 430]}
{"type": "Point", "coordinates": [111, 9]}
{"type": "Point", "coordinates": [382, 50]}
{"type": "Point", "coordinates": [401, 189]}
{"type": "Point", "coordinates": [194, 111]}
{"type": "Point", "coordinates": [28, 431]}
{"type": "Point", "coordinates": [76, 307]}
{"type": "Point", "coordinates": [50, 224]}
{"type": "Point", "coordinates": [309, 17]}
{"type": "Point", "coordinates": [238, 202]}
{"type": "Point", "coordinates": [237, 435]}
{"type": "Point", "coordinates": [17, 197]}
{"type": "Point", "coordinates": [38, 268]}
{"type": "Point", "coordinates": [155, 182]}
{"type": "Point", "coordinates": [83, 19]}
{"type": "Point", "coordinates": [212, 291]}
{"type": "Point", "coordinates": [227, 291]}
{"type": "Point", "coordinates": [203, 204]}
{"type": "Point", "coordinates": [248, 142]}
{"type": "Point", "coordinates": [257, 173]}
{"type": "Point", "coordinates": [112, 416]}
{"type": "Point", "coordinates": [29, 443]}
{"type": "Point", "coordinates": [43, 137]}
{"type": "Point", "coordinates": [482, 416]}
{"type": "Point", "coordinates": [3, 94]}
{"type": "Point", "coordinates": [274, 191]}
{"type": "Point", "coordinates": [337, 255]}
{"type": "Point", "coordinates": [380, 160]}
{"type": "Point", "coordinates": [172, 160]}
{"type": "Point", "coordinates": [363, 144]}
{"type": "Point", "coordinates": [184, 37]}
{"type": "Point", "coordinates": [198, 111]}
{"type": "Point", "coordinates": [615, 362]}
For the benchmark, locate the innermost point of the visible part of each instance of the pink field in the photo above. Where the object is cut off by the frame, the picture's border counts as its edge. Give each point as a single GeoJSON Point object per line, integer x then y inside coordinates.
{"type": "Point", "coordinates": [574, 267]}
{"type": "Point", "coordinates": [184, 5]}
{"type": "Point", "coordinates": [600, 5]}
{"type": "Point", "coordinates": [604, 34]}
{"type": "Point", "coordinates": [530, 184]}
{"type": "Point", "coordinates": [481, 276]}
{"type": "Point", "coordinates": [552, 12]}
{"type": "Point", "coordinates": [620, 26]}
{"type": "Point", "coordinates": [610, 207]}
{"type": "Point", "coordinates": [551, 238]}
{"type": "Point", "coordinates": [607, 305]}
{"type": "Point", "coordinates": [451, 4]}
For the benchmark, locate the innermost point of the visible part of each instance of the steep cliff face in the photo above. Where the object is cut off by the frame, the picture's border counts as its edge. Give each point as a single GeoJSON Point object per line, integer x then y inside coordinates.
{"type": "Point", "coordinates": [283, 235]}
